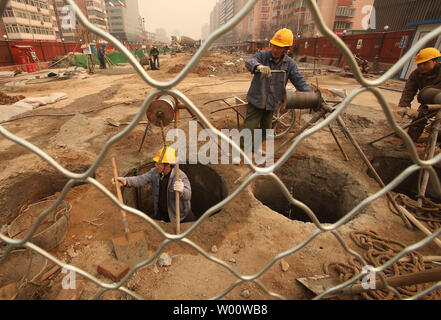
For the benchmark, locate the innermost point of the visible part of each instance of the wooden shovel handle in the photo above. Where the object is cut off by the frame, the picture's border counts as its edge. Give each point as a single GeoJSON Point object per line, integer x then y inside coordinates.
{"type": "Point", "coordinates": [120, 198]}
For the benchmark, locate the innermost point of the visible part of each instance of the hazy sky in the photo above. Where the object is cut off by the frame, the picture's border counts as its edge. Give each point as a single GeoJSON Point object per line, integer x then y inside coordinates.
{"type": "Point", "coordinates": [186, 15]}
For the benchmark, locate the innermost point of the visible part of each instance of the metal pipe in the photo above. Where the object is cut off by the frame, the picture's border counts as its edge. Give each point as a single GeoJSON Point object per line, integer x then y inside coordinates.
{"type": "Point", "coordinates": [432, 107]}
{"type": "Point", "coordinates": [338, 143]}
{"type": "Point", "coordinates": [434, 138]}
{"type": "Point", "coordinates": [303, 100]}
{"type": "Point", "coordinates": [405, 127]}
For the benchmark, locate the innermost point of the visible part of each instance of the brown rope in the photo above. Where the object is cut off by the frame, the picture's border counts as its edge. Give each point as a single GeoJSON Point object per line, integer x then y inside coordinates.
{"type": "Point", "coordinates": [429, 213]}
{"type": "Point", "coordinates": [377, 251]}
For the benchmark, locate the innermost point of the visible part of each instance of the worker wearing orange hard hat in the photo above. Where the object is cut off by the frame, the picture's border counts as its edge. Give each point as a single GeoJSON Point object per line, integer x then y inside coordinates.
{"type": "Point", "coordinates": [265, 94]}
{"type": "Point", "coordinates": [164, 187]}
{"type": "Point", "coordinates": [428, 73]}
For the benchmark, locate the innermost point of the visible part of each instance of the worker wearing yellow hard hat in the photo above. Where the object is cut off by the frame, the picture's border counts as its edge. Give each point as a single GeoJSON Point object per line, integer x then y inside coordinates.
{"type": "Point", "coordinates": [266, 92]}
{"type": "Point", "coordinates": [427, 73]}
{"type": "Point", "coordinates": [165, 186]}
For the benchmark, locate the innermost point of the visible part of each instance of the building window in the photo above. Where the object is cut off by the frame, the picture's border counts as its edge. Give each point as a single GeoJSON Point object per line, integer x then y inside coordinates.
{"type": "Point", "coordinates": [342, 25]}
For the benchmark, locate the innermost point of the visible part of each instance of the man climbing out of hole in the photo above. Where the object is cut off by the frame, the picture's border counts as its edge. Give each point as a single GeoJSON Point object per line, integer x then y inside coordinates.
{"type": "Point", "coordinates": [428, 73]}
{"type": "Point", "coordinates": [265, 94]}
{"type": "Point", "coordinates": [164, 187]}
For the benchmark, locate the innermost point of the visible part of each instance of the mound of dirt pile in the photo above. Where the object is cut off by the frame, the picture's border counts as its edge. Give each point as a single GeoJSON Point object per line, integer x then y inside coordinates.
{"type": "Point", "coordinates": [6, 100]}
{"type": "Point", "coordinates": [208, 67]}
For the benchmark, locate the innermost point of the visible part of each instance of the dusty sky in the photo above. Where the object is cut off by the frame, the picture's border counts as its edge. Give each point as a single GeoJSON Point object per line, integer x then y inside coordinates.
{"type": "Point", "coordinates": [186, 15]}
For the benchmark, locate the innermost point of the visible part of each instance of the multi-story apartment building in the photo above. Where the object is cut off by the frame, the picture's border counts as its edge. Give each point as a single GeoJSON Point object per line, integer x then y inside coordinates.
{"type": "Point", "coordinates": [29, 20]}
{"type": "Point", "coordinates": [124, 20]}
{"type": "Point", "coordinates": [338, 15]}
{"type": "Point", "coordinates": [254, 26]}
{"type": "Point", "coordinates": [72, 30]}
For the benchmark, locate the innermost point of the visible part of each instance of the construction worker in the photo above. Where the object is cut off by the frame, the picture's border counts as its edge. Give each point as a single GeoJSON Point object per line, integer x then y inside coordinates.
{"type": "Point", "coordinates": [164, 187]}
{"type": "Point", "coordinates": [266, 90]}
{"type": "Point", "coordinates": [428, 73]}
{"type": "Point", "coordinates": [101, 55]}
{"type": "Point", "coordinates": [155, 53]}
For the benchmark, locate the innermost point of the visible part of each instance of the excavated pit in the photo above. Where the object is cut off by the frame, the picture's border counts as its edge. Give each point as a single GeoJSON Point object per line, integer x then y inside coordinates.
{"type": "Point", "coordinates": [207, 187]}
{"type": "Point", "coordinates": [30, 187]}
{"type": "Point", "coordinates": [328, 191]}
{"type": "Point", "coordinates": [389, 168]}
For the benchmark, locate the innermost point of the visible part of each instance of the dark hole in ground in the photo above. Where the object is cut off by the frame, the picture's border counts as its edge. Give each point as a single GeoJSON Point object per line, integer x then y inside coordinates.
{"type": "Point", "coordinates": [389, 168]}
{"type": "Point", "coordinates": [327, 191]}
{"type": "Point", "coordinates": [207, 189]}
{"type": "Point", "coordinates": [31, 187]}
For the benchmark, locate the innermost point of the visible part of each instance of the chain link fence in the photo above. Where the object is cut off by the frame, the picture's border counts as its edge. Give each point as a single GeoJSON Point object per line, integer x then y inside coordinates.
{"type": "Point", "coordinates": [168, 88]}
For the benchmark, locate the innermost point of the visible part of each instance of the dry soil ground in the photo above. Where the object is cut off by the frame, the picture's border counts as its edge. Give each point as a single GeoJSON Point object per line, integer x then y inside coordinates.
{"type": "Point", "coordinates": [247, 233]}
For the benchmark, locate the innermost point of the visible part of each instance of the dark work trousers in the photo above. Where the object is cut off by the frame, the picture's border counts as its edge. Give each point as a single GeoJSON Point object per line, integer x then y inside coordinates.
{"type": "Point", "coordinates": [164, 217]}
{"type": "Point", "coordinates": [416, 130]}
{"type": "Point", "coordinates": [156, 59]}
{"type": "Point", "coordinates": [256, 118]}
{"type": "Point", "coordinates": [102, 62]}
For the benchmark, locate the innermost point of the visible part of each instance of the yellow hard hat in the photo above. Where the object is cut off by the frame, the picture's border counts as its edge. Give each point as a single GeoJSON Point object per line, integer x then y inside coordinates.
{"type": "Point", "coordinates": [427, 54]}
{"type": "Point", "coordinates": [283, 38]}
{"type": "Point", "coordinates": [169, 156]}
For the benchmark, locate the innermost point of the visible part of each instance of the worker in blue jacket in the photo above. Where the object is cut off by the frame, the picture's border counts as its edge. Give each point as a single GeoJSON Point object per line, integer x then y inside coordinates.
{"type": "Point", "coordinates": [164, 187]}
{"type": "Point", "coordinates": [265, 94]}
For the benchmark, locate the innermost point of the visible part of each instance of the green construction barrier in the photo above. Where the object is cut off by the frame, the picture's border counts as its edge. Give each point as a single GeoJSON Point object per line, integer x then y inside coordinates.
{"type": "Point", "coordinates": [116, 57]}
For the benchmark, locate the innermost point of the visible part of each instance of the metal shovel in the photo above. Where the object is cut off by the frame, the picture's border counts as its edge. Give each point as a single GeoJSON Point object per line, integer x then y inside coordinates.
{"type": "Point", "coordinates": [320, 283]}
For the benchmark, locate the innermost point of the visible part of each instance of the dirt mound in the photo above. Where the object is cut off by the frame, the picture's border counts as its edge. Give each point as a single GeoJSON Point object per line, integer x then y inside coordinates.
{"type": "Point", "coordinates": [5, 99]}
{"type": "Point", "coordinates": [219, 67]}
{"type": "Point", "coordinates": [176, 68]}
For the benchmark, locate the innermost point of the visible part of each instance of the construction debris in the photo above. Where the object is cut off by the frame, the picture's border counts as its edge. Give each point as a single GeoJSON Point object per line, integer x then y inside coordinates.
{"type": "Point", "coordinates": [7, 100]}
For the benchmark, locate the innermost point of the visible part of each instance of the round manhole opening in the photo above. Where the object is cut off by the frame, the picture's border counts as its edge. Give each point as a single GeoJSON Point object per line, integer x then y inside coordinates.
{"type": "Point", "coordinates": [388, 168]}
{"type": "Point", "coordinates": [207, 189]}
{"type": "Point", "coordinates": [328, 191]}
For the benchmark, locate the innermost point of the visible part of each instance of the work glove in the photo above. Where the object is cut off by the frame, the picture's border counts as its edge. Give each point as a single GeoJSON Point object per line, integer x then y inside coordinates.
{"type": "Point", "coordinates": [179, 186]}
{"type": "Point", "coordinates": [121, 180]}
{"type": "Point", "coordinates": [265, 71]}
{"type": "Point", "coordinates": [403, 111]}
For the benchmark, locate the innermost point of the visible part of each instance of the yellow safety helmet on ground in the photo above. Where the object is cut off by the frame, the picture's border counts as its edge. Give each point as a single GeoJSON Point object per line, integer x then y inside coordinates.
{"type": "Point", "coordinates": [169, 156]}
{"type": "Point", "coordinates": [427, 54]}
{"type": "Point", "coordinates": [283, 38]}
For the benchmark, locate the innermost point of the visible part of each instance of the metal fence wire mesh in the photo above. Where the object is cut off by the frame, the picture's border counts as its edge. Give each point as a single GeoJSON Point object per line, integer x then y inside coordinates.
{"type": "Point", "coordinates": [168, 88]}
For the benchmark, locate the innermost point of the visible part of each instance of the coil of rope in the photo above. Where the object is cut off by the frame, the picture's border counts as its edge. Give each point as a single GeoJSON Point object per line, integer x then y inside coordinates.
{"type": "Point", "coordinates": [378, 251]}
{"type": "Point", "coordinates": [429, 213]}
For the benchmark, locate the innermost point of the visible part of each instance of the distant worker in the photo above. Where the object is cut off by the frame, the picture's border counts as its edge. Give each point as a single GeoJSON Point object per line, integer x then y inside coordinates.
{"type": "Point", "coordinates": [266, 90]}
{"type": "Point", "coordinates": [101, 55]}
{"type": "Point", "coordinates": [155, 53]}
{"type": "Point", "coordinates": [164, 187]}
{"type": "Point", "coordinates": [428, 73]}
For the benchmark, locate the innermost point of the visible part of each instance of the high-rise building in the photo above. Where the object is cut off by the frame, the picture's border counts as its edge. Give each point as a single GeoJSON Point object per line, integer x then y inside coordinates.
{"type": "Point", "coordinates": [205, 31]}
{"type": "Point", "coordinates": [253, 26]}
{"type": "Point", "coordinates": [124, 20]}
{"type": "Point", "coordinates": [73, 31]}
{"type": "Point", "coordinates": [29, 20]}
